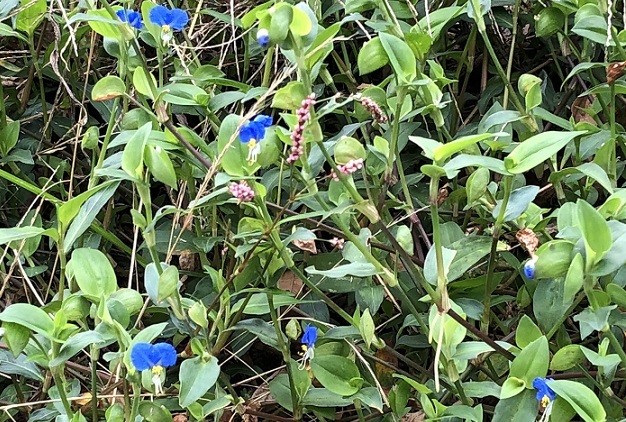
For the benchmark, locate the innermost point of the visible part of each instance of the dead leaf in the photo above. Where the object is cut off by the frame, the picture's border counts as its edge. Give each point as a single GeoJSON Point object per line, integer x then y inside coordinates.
{"type": "Point", "coordinates": [290, 283]}
{"type": "Point", "coordinates": [528, 239]}
{"type": "Point", "coordinates": [414, 417]}
{"type": "Point", "coordinates": [306, 245]}
{"type": "Point", "coordinates": [579, 107]}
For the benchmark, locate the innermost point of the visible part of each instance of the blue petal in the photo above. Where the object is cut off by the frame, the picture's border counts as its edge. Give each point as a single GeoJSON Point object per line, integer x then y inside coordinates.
{"type": "Point", "coordinates": [159, 15]}
{"type": "Point", "coordinates": [264, 120]}
{"type": "Point", "coordinates": [263, 37]}
{"type": "Point", "coordinates": [140, 356]}
{"type": "Point", "coordinates": [310, 336]}
{"type": "Point", "coordinates": [122, 14]}
{"type": "Point", "coordinates": [529, 269]}
{"type": "Point", "coordinates": [252, 130]}
{"type": "Point", "coordinates": [178, 19]}
{"type": "Point", "coordinates": [166, 354]}
{"type": "Point", "coordinates": [135, 20]}
{"type": "Point", "coordinates": [543, 389]}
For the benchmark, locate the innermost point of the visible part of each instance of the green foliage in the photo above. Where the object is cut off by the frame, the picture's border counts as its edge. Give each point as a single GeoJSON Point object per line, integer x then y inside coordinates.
{"type": "Point", "coordinates": [373, 209]}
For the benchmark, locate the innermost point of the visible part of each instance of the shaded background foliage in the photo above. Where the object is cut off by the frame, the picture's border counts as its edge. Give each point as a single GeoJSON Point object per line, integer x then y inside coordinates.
{"type": "Point", "coordinates": [450, 237]}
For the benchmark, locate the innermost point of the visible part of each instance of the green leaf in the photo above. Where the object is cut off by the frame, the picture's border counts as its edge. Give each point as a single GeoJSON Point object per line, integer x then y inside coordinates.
{"type": "Point", "coordinates": [301, 24]}
{"type": "Point", "coordinates": [7, 31]}
{"type": "Point", "coordinates": [290, 96]}
{"type": "Point", "coordinates": [593, 320]}
{"type": "Point", "coordinates": [512, 387]}
{"type": "Point", "coordinates": [567, 358]}
{"type": "Point", "coordinates": [168, 283]}
{"type": "Point", "coordinates": [337, 373]}
{"type": "Point", "coordinates": [19, 233]}
{"type": "Point", "coordinates": [15, 336]}
{"type": "Point", "coordinates": [141, 83]}
{"type": "Point", "coordinates": [101, 22]}
{"type": "Point", "coordinates": [88, 212]}
{"type": "Point", "coordinates": [354, 6]}
{"type": "Point", "coordinates": [197, 376]}
{"type": "Point", "coordinates": [445, 151]}
{"type": "Point", "coordinates": [400, 56]}
{"type": "Point", "coordinates": [347, 149]}
{"type": "Point", "coordinates": [322, 46]}
{"type": "Point", "coordinates": [107, 88]}
{"type": "Point", "coordinates": [367, 327]}
{"type": "Point", "coordinates": [617, 293]}
{"type": "Point", "coordinates": [29, 18]}
{"type": "Point", "coordinates": [356, 269]}
{"type": "Point", "coordinates": [532, 361]}
{"type": "Point", "coordinates": [519, 201]}
{"type": "Point", "coordinates": [527, 332]}
{"type": "Point", "coordinates": [264, 331]}
{"type": "Point", "coordinates": [160, 165]}
{"type": "Point", "coordinates": [29, 316]}
{"type": "Point", "coordinates": [281, 19]}
{"type": "Point", "coordinates": [93, 273]}
{"type": "Point", "coordinates": [581, 398]}
{"type": "Point", "coordinates": [438, 20]}
{"type": "Point", "coordinates": [477, 184]}
{"type": "Point", "coordinates": [595, 231]}
{"type": "Point", "coordinates": [574, 278]}
{"type": "Point", "coordinates": [553, 259]}
{"type": "Point", "coordinates": [372, 56]}
{"type": "Point", "coordinates": [590, 23]}
{"type": "Point", "coordinates": [537, 149]}
{"type": "Point", "coordinates": [520, 408]}
{"type": "Point", "coordinates": [9, 136]}
{"type": "Point", "coordinates": [132, 157]}
{"type": "Point", "coordinates": [461, 161]}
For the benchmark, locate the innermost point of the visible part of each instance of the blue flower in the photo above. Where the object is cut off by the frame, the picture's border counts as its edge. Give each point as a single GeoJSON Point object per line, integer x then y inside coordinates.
{"type": "Point", "coordinates": [529, 267]}
{"type": "Point", "coordinates": [131, 17]}
{"type": "Point", "coordinates": [309, 337]}
{"type": "Point", "coordinates": [154, 357]}
{"type": "Point", "coordinates": [169, 20]}
{"type": "Point", "coordinates": [545, 394]}
{"type": "Point", "coordinates": [148, 356]}
{"type": "Point", "coordinates": [175, 19]}
{"type": "Point", "coordinates": [252, 133]}
{"type": "Point", "coordinates": [263, 37]}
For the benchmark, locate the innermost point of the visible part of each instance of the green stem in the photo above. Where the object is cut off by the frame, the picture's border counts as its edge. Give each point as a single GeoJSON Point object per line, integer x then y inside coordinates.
{"type": "Point", "coordinates": [509, 67]}
{"type": "Point", "coordinates": [297, 411]}
{"type": "Point", "coordinates": [93, 180]}
{"type": "Point", "coordinates": [395, 133]}
{"type": "Point", "coordinates": [267, 70]}
{"type": "Point", "coordinates": [42, 90]}
{"type": "Point", "coordinates": [489, 288]}
{"type": "Point", "coordinates": [441, 300]}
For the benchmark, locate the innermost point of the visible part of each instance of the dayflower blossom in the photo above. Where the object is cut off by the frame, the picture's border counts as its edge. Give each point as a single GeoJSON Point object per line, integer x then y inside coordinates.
{"type": "Point", "coordinates": [545, 396]}
{"type": "Point", "coordinates": [130, 17]}
{"type": "Point", "coordinates": [309, 337]}
{"type": "Point", "coordinates": [155, 357]}
{"type": "Point", "coordinates": [242, 191]}
{"type": "Point", "coordinates": [252, 133]}
{"type": "Point", "coordinates": [263, 37]}
{"type": "Point", "coordinates": [169, 20]}
{"type": "Point", "coordinates": [297, 136]}
{"type": "Point", "coordinates": [350, 167]}
{"type": "Point", "coordinates": [529, 267]}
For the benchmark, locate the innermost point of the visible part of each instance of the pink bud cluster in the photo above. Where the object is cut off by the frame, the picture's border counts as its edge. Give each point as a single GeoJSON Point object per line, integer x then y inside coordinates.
{"type": "Point", "coordinates": [374, 109]}
{"type": "Point", "coordinates": [297, 136]}
{"type": "Point", "coordinates": [338, 243]}
{"type": "Point", "coordinates": [242, 191]}
{"type": "Point", "coordinates": [350, 167]}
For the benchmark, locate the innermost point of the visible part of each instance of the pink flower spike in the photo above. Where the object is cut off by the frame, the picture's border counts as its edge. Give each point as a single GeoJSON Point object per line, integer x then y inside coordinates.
{"type": "Point", "coordinates": [242, 191]}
